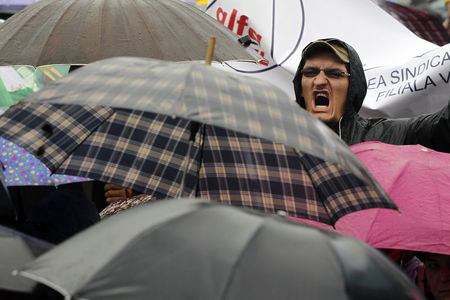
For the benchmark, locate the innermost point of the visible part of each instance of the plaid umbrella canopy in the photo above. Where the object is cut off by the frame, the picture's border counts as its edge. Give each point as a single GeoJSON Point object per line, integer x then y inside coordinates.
{"type": "Point", "coordinates": [424, 25]}
{"type": "Point", "coordinates": [83, 125]}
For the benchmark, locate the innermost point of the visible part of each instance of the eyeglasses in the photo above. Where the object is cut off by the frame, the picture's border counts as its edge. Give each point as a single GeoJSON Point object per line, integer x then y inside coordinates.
{"type": "Point", "coordinates": [331, 73]}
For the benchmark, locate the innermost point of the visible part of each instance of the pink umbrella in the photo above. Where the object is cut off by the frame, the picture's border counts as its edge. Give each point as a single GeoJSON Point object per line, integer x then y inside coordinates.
{"type": "Point", "coordinates": [418, 181]}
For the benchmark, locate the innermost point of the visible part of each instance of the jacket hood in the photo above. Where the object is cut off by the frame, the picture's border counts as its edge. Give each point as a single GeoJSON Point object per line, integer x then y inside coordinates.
{"type": "Point", "coordinates": [357, 87]}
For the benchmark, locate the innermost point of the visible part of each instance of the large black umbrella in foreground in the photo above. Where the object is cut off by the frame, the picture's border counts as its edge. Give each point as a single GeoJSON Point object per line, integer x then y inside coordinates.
{"type": "Point", "coordinates": [196, 249]}
{"type": "Point", "coordinates": [131, 121]}
{"type": "Point", "coordinates": [83, 31]}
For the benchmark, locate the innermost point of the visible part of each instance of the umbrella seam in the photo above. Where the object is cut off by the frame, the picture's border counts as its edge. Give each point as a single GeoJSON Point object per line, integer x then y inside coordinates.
{"type": "Point", "coordinates": [36, 64]}
{"type": "Point", "coordinates": [94, 130]}
{"type": "Point", "coordinates": [227, 285]}
{"type": "Point", "coordinates": [318, 191]}
{"type": "Point", "coordinates": [201, 147]}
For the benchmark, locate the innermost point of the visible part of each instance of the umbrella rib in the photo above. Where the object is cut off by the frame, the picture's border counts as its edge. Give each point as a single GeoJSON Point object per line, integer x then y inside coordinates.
{"type": "Point", "coordinates": [93, 131]}
{"type": "Point", "coordinates": [315, 188]}
{"type": "Point", "coordinates": [202, 133]}
{"type": "Point", "coordinates": [8, 40]}
{"type": "Point", "coordinates": [234, 267]}
{"type": "Point", "coordinates": [36, 64]}
{"type": "Point", "coordinates": [43, 281]}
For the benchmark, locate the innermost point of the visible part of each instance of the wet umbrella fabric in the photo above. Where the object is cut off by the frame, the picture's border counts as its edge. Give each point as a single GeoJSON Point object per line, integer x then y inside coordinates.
{"type": "Point", "coordinates": [83, 31]}
{"type": "Point", "coordinates": [192, 248]}
{"type": "Point", "coordinates": [121, 142]}
{"type": "Point", "coordinates": [418, 180]}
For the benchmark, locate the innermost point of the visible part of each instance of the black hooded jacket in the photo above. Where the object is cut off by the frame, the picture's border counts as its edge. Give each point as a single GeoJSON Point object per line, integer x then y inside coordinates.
{"type": "Point", "coordinates": [429, 130]}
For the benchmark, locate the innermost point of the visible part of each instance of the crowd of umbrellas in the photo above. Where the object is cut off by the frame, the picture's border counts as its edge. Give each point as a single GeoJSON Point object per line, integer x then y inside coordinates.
{"type": "Point", "coordinates": [242, 193]}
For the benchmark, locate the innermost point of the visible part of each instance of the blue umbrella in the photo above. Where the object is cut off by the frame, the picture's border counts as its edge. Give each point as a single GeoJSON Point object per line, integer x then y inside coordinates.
{"type": "Point", "coordinates": [22, 168]}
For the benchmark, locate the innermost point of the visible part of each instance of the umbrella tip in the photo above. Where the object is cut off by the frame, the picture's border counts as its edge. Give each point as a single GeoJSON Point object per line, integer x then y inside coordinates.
{"type": "Point", "coordinates": [282, 213]}
{"type": "Point", "coordinates": [210, 51]}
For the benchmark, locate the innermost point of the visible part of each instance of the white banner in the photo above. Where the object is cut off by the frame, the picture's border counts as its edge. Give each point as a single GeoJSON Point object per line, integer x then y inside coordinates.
{"type": "Point", "coordinates": [417, 86]}
{"type": "Point", "coordinates": [11, 79]}
{"type": "Point", "coordinates": [282, 28]}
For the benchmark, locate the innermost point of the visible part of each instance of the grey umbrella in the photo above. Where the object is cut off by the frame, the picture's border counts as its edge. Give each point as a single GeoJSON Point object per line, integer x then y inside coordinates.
{"type": "Point", "coordinates": [83, 31]}
{"type": "Point", "coordinates": [196, 249]}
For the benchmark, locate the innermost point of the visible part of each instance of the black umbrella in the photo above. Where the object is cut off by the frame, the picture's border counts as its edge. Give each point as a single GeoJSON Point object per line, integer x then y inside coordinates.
{"type": "Point", "coordinates": [83, 31]}
{"type": "Point", "coordinates": [196, 249]}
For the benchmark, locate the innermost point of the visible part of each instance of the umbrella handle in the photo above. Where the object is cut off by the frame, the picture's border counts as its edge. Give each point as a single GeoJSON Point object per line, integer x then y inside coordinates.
{"type": "Point", "coordinates": [210, 51]}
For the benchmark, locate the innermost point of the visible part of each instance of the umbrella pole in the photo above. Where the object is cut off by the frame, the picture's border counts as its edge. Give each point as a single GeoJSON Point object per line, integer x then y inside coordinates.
{"type": "Point", "coordinates": [210, 51]}
{"type": "Point", "coordinates": [195, 126]}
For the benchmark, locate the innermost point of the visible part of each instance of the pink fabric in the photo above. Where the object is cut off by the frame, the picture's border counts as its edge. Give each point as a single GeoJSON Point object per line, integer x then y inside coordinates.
{"type": "Point", "coordinates": [418, 181]}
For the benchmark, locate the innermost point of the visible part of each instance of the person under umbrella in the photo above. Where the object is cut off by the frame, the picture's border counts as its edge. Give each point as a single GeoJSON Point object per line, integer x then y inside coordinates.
{"type": "Point", "coordinates": [331, 85]}
{"type": "Point", "coordinates": [437, 275]}
{"type": "Point", "coordinates": [61, 214]}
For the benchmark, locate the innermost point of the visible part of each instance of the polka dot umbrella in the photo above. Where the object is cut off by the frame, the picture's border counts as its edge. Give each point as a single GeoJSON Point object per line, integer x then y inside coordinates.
{"type": "Point", "coordinates": [22, 168]}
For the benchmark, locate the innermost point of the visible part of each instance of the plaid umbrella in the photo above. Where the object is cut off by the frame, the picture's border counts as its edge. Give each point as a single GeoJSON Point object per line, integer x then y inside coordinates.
{"type": "Point", "coordinates": [424, 25]}
{"type": "Point", "coordinates": [147, 148]}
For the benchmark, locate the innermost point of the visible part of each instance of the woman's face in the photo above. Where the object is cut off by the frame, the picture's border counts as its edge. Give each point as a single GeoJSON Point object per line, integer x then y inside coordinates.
{"type": "Point", "coordinates": [437, 272]}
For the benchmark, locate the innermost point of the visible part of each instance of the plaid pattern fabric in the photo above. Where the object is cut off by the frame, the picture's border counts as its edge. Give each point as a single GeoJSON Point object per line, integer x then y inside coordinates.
{"type": "Point", "coordinates": [143, 151]}
{"type": "Point", "coordinates": [204, 94]}
{"type": "Point", "coordinates": [51, 131]}
{"type": "Point", "coordinates": [241, 170]}
{"type": "Point", "coordinates": [245, 171]}
{"type": "Point", "coordinates": [210, 96]}
{"type": "Point", "coordinates": [341, 191]}
{"type": "Point", "coordinates": [422, 24]}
